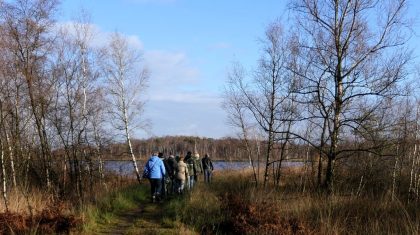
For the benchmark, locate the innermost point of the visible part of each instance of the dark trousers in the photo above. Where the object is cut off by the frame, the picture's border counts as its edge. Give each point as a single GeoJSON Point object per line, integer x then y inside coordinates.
{"type": "Point", "coordinates": [155, 187]}
{"type": "Point", "coordinates": [207, 175]}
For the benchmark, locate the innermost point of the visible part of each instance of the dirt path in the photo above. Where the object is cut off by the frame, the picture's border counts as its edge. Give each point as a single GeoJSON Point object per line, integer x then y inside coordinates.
{"type": "Point", "coordinates": [146, 219]}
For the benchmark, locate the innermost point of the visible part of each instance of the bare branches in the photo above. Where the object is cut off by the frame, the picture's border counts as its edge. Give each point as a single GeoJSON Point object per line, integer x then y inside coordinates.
{"type": "Point", "coordinates": [349, 47]}
{"type": "Point", "coordinates": [264, 100]}
{"type": "Point", "coordinates": [126, 80]}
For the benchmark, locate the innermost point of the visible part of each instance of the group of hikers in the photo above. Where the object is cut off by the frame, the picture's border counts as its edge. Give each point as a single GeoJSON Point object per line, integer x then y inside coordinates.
{"type": "Point", "coordinates": [170, 174]}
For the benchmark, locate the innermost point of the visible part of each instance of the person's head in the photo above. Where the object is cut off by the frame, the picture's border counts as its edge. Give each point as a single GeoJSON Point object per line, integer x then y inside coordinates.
{"type": "Point", "coordinates": [160, 155]}
{"type": "Point", "coordinates": [196, 155]}
{"type": "Point", "coordinates": [189, 153]}
{"type": "Point", "coordinates": [180, 158]}
{"type": "Point", "coordinates": [206, 155]}
{"type": "Point", "coordinates": [155, 151]}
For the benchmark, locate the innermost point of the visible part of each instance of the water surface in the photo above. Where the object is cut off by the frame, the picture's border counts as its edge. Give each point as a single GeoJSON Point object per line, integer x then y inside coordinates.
{"type": "Point", "coordinates": [126, 167]}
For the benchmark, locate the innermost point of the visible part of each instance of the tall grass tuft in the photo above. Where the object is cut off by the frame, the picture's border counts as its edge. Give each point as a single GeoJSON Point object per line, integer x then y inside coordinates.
{"type": "Point", "coordinates": [21, 204]}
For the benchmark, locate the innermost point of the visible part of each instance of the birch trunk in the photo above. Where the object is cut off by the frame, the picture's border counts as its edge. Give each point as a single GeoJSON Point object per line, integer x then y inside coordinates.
{"type": "Point", "coordinates": [394, 177]}
{"type": "Point", "coordinates": [130, 151]}
{"type": "Point", "coordinates": [99, 156]}
{"type": "Point", "coordinates": [4, 178]}
{"type": "Point", "coordinates": [125, 81]}
{"type": "Point", "coordinates": [305, 170]}
{"type": "Point", "coordinates": [258, 156]}
{"type": "Point", "coordinates": [12, 163]}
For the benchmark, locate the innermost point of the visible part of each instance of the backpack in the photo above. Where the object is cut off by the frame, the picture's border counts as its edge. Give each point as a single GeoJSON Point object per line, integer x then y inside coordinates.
{"type": "Point", "coordinates": [198, 167]}
{"type": "Point", "coordinates": [190, 165]}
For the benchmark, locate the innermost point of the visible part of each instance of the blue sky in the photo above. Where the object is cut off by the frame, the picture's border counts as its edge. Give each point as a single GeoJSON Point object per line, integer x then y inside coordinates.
{"type": "Point", "coordinates": [188, 46]}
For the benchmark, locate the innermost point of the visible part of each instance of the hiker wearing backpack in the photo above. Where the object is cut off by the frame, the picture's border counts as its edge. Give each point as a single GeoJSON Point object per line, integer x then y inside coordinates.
{"type": "Point", "coordinates": [207, 167]}
{"type": "Point", "coordinates": [195, 168]}
{"type": "Point", "coordinates": [190, 165]}
{"type": "Point", "coordinates": [198, 166]}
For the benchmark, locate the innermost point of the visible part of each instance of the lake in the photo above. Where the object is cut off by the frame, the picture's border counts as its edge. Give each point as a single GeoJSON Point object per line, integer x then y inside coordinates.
{"type": "Point", "coordinates": [126, 167]}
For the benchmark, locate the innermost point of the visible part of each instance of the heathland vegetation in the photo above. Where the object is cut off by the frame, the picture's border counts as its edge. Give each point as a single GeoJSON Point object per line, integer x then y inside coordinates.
{"type": "Point", "coordinates": [335, 89]}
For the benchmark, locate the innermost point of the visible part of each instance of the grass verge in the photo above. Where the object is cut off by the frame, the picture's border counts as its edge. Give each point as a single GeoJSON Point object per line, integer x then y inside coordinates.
{"type": "Point", "coordinates": [233, 205]}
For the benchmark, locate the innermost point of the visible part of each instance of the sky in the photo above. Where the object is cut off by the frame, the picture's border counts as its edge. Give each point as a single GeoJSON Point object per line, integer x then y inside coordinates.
{"type": "Point", "coordinates": [188, 46]}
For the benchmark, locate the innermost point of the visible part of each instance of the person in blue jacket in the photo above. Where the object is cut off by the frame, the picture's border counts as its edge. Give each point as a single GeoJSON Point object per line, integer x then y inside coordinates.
{"type": "Point", "coordinates": [156, 172]}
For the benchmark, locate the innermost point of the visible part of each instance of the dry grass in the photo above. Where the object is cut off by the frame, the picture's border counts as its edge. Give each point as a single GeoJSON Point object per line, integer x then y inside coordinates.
{"type": "Point", "coordinates": [36, 212]}
{"type": "Point", "coordinates": [19, 203]}
{"type": "Point", "coordinates": [50, 220]}
{"type": "Point", "coordinates": [232, 204]}
{"type": "Point", "coordinates": [43, 212]}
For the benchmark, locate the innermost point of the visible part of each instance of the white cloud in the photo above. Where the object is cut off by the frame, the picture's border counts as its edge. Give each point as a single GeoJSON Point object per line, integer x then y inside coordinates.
{"type": "Point", "coordinates": [179, 103]}
{"type": "Point", "coordinates": [98, 38]}
{"type": "Point", "coordinates": [102, 38]}
{"type": "Point", "coordinates": [181, 118]}
{"type": "Point", "coordinates": [196, 97]}
{"type": "Point", "coordinates": [171, 74]}
{"type": "Point", "coordinates": [135, 42]}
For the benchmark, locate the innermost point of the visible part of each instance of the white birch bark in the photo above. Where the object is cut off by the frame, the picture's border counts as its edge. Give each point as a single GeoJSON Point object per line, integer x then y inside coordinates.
{"type": "Point", "coordinates": [3, 178]}
{"type": "Point", "coordinates": [12, 162]}
{"type": "Point", "coordinates": [394, 176]}
{"type": "Point", "coordinates": [125, 80]}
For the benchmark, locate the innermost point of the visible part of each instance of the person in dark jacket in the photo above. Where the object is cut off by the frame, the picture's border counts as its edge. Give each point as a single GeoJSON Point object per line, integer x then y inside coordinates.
{"type": "Point", "coordinates": [172, 166]}
{"type": "Point", "coordinates": [165, 179]}
{"type": "Point", "coordinates": [207, 167]}
{"type": "Point", "coordinates": [156, 172]}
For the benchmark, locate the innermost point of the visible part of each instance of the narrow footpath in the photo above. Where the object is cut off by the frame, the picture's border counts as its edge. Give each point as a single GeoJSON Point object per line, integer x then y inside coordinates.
{"type": "Point", "coordinates": [146, 219]}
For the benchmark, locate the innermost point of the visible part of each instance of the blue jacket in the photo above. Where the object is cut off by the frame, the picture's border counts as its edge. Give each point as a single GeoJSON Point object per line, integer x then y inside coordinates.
{"type": "Point", "coordinates": [155, 167]}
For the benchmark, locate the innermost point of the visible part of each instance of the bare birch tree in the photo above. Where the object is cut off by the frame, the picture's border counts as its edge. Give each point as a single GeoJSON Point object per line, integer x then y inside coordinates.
{"type": "Point", "coordinates": [98, 123]}
{"type": "Point", "coordinates": [75, 75]}
{"type": "Point", "coordinates": [265, 97]}
{"type": "Point", "coordinates": [237, 113]}
{"type": "Point", "coordinates": [126, 81]}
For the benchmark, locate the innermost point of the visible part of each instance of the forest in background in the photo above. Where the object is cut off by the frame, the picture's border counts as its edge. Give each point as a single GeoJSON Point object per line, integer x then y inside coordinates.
{"type": "Point", "coordinates": [225, 149]}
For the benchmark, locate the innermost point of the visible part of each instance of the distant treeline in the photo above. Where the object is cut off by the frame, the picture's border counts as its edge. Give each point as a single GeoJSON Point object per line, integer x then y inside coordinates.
{"type": "Point", "coordinates": [227, 148]}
